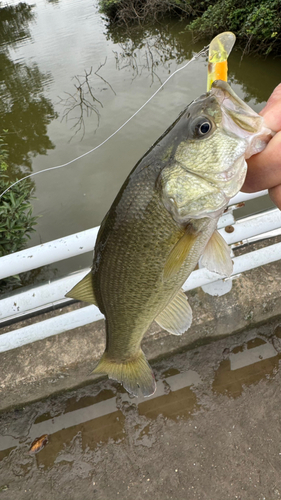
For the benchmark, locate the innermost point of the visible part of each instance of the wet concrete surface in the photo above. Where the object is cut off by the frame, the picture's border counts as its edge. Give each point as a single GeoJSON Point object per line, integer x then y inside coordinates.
{"type": "Point", "coordinates": [211, 431]}
{"type": "Point", "coordinates": [63, 362]}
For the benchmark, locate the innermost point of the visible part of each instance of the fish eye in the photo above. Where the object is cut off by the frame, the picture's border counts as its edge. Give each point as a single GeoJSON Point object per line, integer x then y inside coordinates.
{"type": "Point", "coordinates": [202, 126]}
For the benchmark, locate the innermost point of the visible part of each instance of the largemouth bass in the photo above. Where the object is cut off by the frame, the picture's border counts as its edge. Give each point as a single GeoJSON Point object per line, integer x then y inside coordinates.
{"type": "Point", "coordinates": [162, 221]}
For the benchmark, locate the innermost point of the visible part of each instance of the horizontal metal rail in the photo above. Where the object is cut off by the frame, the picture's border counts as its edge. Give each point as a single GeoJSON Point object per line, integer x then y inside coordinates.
{"type": "Point", "coordinates": [70, 246]}
{"type": "Point", "coordinates": [48, 253]}
{"type": "Point", "coordinates": [89, 314]}
{"type": "Point", "coordinates": [53, 293]}
{"type": "Point", "coordinates": [252, 226]}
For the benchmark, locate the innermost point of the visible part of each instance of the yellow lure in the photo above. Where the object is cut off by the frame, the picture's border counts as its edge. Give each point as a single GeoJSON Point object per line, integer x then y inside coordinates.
{"type": "Point", "coordinates": [219, 50]}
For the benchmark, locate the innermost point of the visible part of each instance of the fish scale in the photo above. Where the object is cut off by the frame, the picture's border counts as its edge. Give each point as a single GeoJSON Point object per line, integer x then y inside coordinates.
{"type": "Point", "coordinates": [144, 294]}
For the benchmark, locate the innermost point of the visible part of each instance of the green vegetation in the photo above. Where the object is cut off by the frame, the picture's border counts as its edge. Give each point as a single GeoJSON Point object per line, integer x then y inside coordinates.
{"type": "Point", "coordinates": [16, 220]}
{"type": "Point", "coordinates": [256, 23]}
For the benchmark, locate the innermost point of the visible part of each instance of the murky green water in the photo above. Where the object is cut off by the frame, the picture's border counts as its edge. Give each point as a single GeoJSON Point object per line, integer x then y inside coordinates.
{"type": "Point", "coordinates": [68, 81]}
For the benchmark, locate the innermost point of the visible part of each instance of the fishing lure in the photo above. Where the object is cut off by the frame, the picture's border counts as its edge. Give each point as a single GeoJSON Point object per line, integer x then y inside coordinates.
{"type": "Point", "coordinates": [219, 50]}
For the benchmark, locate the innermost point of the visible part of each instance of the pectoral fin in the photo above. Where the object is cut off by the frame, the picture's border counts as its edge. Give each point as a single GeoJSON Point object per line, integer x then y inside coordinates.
{"type": "Point", "coordinates": [178, 254]}
{"type": "Point", "coordinates": [176, 318]}
{"type": "Point", "coordinates": [216, 256]}
{"type": "Point", "coordinates": [84, 290]}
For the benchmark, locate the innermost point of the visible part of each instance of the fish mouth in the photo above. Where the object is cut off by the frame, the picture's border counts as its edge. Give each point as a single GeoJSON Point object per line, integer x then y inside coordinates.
{"type": "Point", "coordinates": [242, 115]}
{"type": "Point", "coordinates": [241, 120]}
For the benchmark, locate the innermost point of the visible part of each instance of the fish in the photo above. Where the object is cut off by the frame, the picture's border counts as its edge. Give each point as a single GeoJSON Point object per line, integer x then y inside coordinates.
{"type": "Point", "coordinates": [162, 221]}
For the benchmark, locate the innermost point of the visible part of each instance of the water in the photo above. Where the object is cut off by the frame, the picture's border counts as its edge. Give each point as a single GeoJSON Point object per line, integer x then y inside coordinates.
{"type": "Point", "coordinates": [212, 427]}
{"type": "Point", "coordinates": [70, 80]}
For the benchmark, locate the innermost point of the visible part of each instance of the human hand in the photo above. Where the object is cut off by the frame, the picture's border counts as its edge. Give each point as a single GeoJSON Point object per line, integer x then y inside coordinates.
{"type": "Point", "coordinates": [264, 169]}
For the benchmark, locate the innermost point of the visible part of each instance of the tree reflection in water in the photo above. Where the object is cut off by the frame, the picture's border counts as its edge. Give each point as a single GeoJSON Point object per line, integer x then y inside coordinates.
{"type": "Point", "coordinates": [83, 101]}
{"type": "Point", "coordinates": [149, 48]}
{"type": "Point", "coordinates": [24, 110]}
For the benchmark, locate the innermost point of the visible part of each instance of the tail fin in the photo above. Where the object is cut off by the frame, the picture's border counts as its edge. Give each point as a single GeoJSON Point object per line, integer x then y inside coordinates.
{"type": "Point", "coordinates": [133, 374]}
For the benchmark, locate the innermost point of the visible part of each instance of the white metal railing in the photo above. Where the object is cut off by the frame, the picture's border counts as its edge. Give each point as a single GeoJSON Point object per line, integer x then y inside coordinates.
{"type": "Point", "coordinates": [41, 297]}
{"type": "Point", "coordinates": [53, 293]}
{"type": "Point", "coordinates": [70, 246]}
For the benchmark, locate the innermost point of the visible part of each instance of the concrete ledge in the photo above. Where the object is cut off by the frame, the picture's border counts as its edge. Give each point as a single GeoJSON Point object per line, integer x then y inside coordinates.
{"type": "Point", "coordinates": [65, 361]}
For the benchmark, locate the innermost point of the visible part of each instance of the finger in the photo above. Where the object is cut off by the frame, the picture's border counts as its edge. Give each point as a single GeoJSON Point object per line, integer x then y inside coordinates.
{"type": "Point", "coordinates": [264, 169]}
{"type": "Point", "coordinates": [275, 195]}
{"type": "Point", "coordinates": [272, 110]}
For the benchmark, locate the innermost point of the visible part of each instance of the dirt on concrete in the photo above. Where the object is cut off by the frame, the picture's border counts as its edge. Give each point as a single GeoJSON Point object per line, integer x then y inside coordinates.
{"type": "Point", "coordinates": [211, 431]}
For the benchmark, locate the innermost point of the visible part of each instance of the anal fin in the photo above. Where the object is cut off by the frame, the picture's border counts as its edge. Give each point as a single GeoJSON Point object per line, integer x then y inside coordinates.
{"type": "Point", "coordinates": [84, 290]}
{"type": "Point", "coordinates": [216, 256]}
{"type": "Point", "coordinates": [176, 318]}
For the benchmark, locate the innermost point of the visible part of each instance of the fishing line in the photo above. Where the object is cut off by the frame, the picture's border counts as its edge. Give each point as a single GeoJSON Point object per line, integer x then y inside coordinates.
{"type": "Point", "coordinates": [203, 51]}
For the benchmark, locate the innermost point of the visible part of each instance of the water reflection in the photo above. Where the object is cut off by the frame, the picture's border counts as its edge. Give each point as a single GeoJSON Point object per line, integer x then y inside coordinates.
{"type": "Point", "coordinates": [150, 49]}
{"type": "Point", "coordinates": [83, 102]}
{"type": "Point", "coordinates": [247, 364]}
{"type": "Point", "coordinates": [83, 422]}
{"type": "Point", "coordinates": [167, 37]}
{"type": "Point", "coordinates": [24, 111]}
{"type": "Point", "coordinates": [100, 418]}
{"type": "Point", "coordinates": [177, 404]}
{"type": "Point", "coordinates": [14, 24]}
{"type": "Point", "coordinates": [249, 72]}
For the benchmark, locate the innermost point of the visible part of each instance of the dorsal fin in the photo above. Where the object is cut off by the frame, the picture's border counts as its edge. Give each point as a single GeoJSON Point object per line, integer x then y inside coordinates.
{"type": "Point", "coordinates": [216, 256]}
{"type": "Point", "coordinates": [179, 253]}
{"type": "Point", "coordinates": [176, 318]}
{"type": "Point", "coordinates": [84, 290]}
